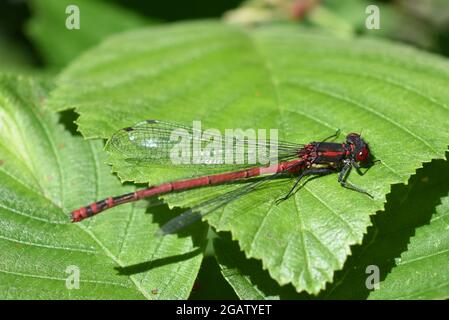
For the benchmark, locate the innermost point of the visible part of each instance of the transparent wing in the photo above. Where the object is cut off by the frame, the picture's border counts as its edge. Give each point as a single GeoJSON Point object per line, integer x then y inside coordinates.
{"type": "Point", "coordinates": [197, 212]}
{"type": "Point", "coordinates": [160, 143]}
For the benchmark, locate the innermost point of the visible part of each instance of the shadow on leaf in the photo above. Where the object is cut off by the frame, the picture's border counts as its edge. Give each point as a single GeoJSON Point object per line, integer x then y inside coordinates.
{"type": "Point", "coordinates": [148, 265]}
{"type": "Point", "coordinates": [408, 207]}
{"type": "Point", "coordinates": [162, 214]}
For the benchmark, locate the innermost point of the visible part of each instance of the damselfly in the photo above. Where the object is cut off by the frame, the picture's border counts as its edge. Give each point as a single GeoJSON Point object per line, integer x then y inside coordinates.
{"type": "Point", "coordinates": [150, 143]}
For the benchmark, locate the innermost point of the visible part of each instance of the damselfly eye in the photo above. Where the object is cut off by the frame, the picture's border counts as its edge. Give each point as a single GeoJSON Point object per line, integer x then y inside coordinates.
{"type": "Point", "coordinates": [362, 155]}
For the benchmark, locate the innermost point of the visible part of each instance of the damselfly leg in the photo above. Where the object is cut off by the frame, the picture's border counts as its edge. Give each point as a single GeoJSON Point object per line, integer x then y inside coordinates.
{"type": "Point", "coordinates": [333, 136]}
{"type": "Point", "coordinates": [343, 175]}
{"type": "Point", "coordinates": [318, 172]}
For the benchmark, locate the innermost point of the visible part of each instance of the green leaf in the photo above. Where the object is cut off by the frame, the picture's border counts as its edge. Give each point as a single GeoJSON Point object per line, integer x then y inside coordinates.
{"type": "Point", "coordinates": [98, 19]}
{"type": "Point", "coordinates": [303, 83]}
{"type": "Point", "coordinates": [422, 272]}
{"type": "Point", "coordinates": [408, 208]}
{"type": "Point", "coordinates": [246, 276]}
{"type": "Point", "coordinates": [46, 173]}
{"type": "Point", "coordinates": [210, 284]}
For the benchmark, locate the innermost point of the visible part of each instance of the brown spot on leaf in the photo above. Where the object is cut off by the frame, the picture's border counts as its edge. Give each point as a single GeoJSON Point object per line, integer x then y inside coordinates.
{"type": "Point", "coordinates": [154, 291]}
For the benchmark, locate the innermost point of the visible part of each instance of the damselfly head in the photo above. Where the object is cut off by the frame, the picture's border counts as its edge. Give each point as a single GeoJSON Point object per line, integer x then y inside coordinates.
{"type": "Point", "coordinates": [359, 148]}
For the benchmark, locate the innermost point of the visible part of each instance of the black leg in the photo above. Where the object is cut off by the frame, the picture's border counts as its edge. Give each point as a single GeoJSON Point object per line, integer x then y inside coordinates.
{"type": "Point", "coordinates": [342, 179]}
{"type": "Point", "coordinates": [306, 172]}
{"type": "Point", "coordinates": [335, 135]}
{"type": "Point", "coordinates": [359, 169]}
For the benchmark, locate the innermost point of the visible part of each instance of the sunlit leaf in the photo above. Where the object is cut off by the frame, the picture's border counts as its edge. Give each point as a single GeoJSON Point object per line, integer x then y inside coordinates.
{"type": "Point", "coordinates": [302, 83]}
{"type": "Point", "coordinates": [45, 173]}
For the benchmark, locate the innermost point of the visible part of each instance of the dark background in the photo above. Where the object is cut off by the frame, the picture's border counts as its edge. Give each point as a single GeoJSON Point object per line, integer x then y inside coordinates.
{"type": "Point", "coordinates": [422, 23]}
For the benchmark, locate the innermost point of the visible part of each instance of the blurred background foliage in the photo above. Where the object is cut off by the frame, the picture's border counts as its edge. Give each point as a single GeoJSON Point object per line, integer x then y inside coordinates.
{"type": "Point", "coordinates": [30, 40]}
{"type": "Point", "coordinates": [34, 40]}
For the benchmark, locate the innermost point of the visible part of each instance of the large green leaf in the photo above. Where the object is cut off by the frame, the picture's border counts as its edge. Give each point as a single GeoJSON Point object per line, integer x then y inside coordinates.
{"type": "Point", "coordinates": [422, 272]}
{"type": "Point", "coordinates": [408, 208]}
{"type": "Point", "coordinates": [246, 276]}
{"type": "Point", "coordinates": [45, 172]}
{"type": "Point", "coordinates": [98, 19]}
{"type": "Point", "coordinates": [303, 83]}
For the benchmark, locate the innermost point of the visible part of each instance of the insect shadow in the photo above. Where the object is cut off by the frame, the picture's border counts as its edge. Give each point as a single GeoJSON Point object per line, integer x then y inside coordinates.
{"type": "Point", "coordinates": [162, 214]}
{"type": "Point", "coordinates": [156, 263]}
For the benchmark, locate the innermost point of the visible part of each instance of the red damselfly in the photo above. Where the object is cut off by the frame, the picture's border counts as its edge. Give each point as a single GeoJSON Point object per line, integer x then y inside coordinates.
{"type": "Point", "coordinates": [150, 143]}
